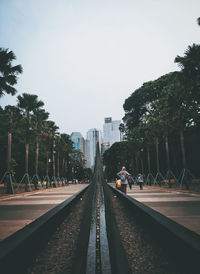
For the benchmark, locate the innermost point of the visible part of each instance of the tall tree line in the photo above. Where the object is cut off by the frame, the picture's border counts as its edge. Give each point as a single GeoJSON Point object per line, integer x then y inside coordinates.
{"type": "Point", "coordinates": [162, 122]}
{"type": "Point", "coordinates": [30, 143]}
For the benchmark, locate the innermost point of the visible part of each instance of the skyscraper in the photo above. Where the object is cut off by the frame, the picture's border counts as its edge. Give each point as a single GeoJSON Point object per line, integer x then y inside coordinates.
{"type": "Point", "coordinates": [111, 132]}
{"type": "Point", "coordinates": [93, 137]}
{"type": "Point", "coordinates": [78, 141]}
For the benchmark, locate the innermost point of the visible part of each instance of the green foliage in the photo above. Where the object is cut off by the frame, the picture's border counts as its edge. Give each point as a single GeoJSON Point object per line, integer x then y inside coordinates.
{"type": "Point", "coordinates": [120, 154]}
{"type": "Point", "coordinates": [87, 173]}
{"type": "Point", "coordinates": [29, 125]}
{"type": "Point", "coordinates": [166, 108]}
{"type": "Point", "coordinates": [8, 73]}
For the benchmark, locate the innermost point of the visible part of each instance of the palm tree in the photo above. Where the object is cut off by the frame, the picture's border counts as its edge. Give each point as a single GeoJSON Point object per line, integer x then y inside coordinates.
{"type": "Point", "coordinates": [39, 119]}
{"type": "Point", "coordinates": [67, 147]}
{"type": "Point", "coordinates": [190, 71]}
{"type": "Point", "coordinates": [27, 104]}
{"type": "Point", "coordinates": [189, 86]}
{"type": "Point", "coordinates": [58, 150]}
{"type": "Point", "coordinates": [50, 130]}
{"type": "Point", "coordinates": [8, 73]}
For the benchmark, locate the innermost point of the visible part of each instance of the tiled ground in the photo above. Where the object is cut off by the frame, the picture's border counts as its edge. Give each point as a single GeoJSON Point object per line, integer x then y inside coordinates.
{"type": "Point", "coordinates": [19, 210]}
{"type": "Point", "coordinates": [180, 206]}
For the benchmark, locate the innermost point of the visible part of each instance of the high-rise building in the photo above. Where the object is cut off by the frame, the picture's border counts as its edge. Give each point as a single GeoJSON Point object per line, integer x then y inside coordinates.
{"type": "Point", "coordinates": [116, 135]}
{"type": "Point", "coordinates": [87, 154]}
{"type": "Point", "coordinates": [107, 130]}
{"type": "Point", "coordinates": [93, 137]}
{"type": "Point", "coordinates": [111, 132]}
{"type": "Point", "coordinates": [78, 141]}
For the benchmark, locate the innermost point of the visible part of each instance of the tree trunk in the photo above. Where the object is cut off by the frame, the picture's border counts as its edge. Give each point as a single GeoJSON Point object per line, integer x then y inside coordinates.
{"type": "Point", "coordinates": [182, 148]}
{"type": "Point", "coordinates": [58, 164]}
{"type": "Point", "coordinates": [26, 166]}
{"type": "Point", "coordinates": [157, 156]}
{"type": "Point", "coordinates": [9, 151]}
{"type": "Point", "coordinates": [26, 158]}
{"type": "Point", "coordinates": [36, 156]}
{"type": "Point", "coordinates": [136, 161]}
{"type": "Point", "coordinates": [9, 141]}
{"type": "Point", "coordinates": [63, 167]}
{"type": "Point", "coordinates": [66, 169]}
{"type": "Point", "coordinates": [54, 166]}
{"type": "Point", "coordinates": [148, 160]}
{"type": "Point", "coordinates": [167, 151]}
{"type": "Point", "coordinates": [9, 175]}
{"type": "Point", "coordinates": [47, 163]}
{"type": "Point", "coordinates": [175, 168]}
{"type": "Point", "coordinates": [142, 165]}
{"type": "Point", "coordinates": [168, 160]}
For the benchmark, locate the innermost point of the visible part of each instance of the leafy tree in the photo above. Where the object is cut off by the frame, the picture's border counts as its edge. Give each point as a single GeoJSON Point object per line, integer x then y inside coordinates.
{"type": "Point", "coordinates": [38, 121]}
{"type": "Point", "coordinates": [189, 90]}
{"type": "Point", "coordinates": [50, 130]}
{"type": "Point", "coordinates": [8, 73]}
{"type": "Point", "coordinates": [190, 72]}
{"type": "Point", "coordinates": [66, 148]}
{"type": "Point", "coordinates": [28, 103]}
{"type": "Point", "coordinates": [118, 155]}
{"type": "Point", "coordinates": [87, 173]}
{"type": "Point", "coordinates": [144, 116]}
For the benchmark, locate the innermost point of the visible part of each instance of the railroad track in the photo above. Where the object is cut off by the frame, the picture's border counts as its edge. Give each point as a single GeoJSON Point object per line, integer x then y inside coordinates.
{"type": "Point", "coordinates": [115, 234]}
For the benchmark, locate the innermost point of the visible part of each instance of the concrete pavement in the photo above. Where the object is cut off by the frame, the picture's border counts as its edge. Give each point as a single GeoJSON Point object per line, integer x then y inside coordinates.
{"type": "Point", "coordinates": [16, 211]}
{"type": "Point", "coordinates": [181, 206]}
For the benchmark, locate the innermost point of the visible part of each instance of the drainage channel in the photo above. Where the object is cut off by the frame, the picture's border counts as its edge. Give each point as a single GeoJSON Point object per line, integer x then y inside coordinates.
{"type": "Point", "coordinates": [98, 258]}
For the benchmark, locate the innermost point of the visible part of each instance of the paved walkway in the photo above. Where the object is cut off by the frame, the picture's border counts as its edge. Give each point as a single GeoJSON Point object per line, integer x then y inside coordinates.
{"type": "Point", "coordinates": [181, 206]}
{"type": "Point", "coordinates": [16, 211]}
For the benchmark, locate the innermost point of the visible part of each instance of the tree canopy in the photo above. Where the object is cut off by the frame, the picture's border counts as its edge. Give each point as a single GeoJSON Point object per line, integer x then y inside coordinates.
{"type": "Point", "coordinates": [8, 72]}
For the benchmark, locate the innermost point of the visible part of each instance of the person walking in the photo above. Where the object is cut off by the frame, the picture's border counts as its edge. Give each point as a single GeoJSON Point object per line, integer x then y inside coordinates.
{"type": "Point", "coordinates": [140, 180]}
{"type": "Point", "coordinates": [130, 181]}
{"type": "Point", "coordinates": [123, 175]}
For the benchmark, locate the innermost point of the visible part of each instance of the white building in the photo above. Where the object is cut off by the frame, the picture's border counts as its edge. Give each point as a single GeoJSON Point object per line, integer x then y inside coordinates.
{"type": "Point", "coordinates": [111, 132]}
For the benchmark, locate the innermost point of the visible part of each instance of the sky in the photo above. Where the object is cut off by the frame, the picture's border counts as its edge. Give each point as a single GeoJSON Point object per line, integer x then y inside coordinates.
{"type": "Point", "coordinates": [83, 58]}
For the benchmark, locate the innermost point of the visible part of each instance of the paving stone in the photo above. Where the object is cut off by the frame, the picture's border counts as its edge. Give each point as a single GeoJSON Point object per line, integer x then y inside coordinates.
{"type": "Point", "coordinates": [16, 211]}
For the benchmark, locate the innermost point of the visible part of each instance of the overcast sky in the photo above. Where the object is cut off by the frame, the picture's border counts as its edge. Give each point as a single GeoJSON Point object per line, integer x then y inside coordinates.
{"type": "Point", "coordinates": [83, 58]}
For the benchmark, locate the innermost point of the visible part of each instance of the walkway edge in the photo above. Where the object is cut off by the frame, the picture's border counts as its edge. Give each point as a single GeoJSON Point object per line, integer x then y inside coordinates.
{"type": "Point", "coordinates": [15, 251]}
{"type": "Point", "coordinates": [179, 241]}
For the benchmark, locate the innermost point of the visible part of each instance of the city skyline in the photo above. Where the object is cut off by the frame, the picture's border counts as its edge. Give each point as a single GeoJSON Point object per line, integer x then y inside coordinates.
{"type": "Point", "coordinates": [100, 129]}
{"type": "Point", "coordinates": [105, 139]}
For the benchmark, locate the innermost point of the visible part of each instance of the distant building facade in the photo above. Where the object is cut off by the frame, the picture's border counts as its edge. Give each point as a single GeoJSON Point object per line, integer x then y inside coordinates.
{"type": "Point", "coordinates": [78, 141]}
{"type": "Point", "coordinates": [111, 133]}
{"type": "Point", "coordinates": [79, 145]}
{"type": "Point", "coordinates": [93, 137]}
{"type": "Point", "coordinates": [104, 147]}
